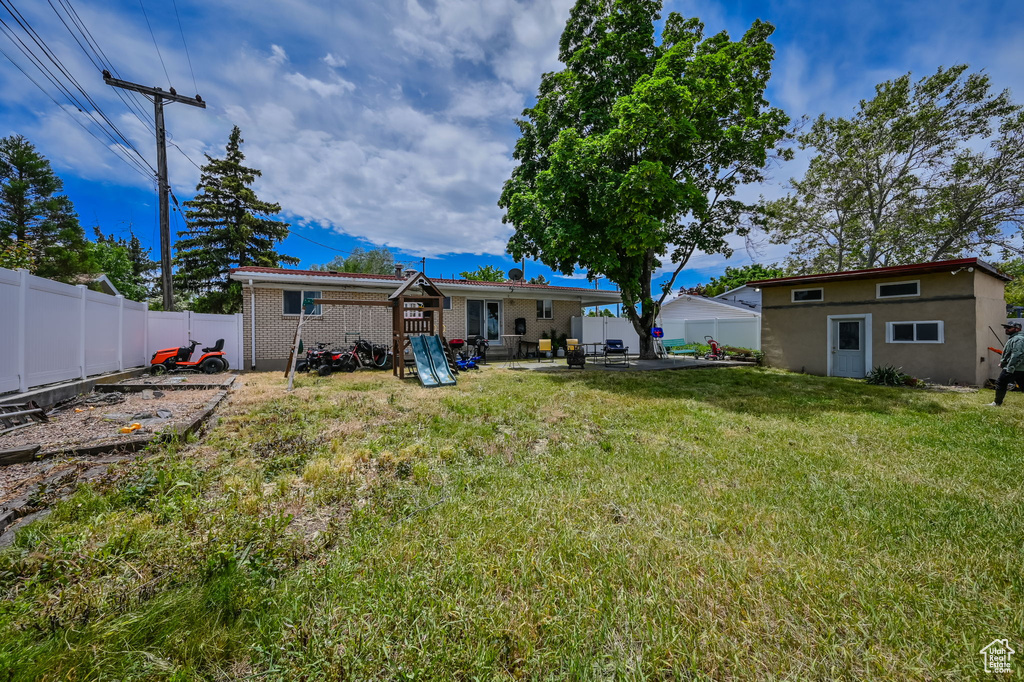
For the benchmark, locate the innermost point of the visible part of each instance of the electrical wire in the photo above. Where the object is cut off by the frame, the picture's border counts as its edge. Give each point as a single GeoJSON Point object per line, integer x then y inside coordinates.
{"type": "Point", "coordinates": [118, 137]}
{"type": "Point", "coordinates": [187, 55]}
{"type": "Point", "coordinates": [127, 160]}
{"type": "Point", "coordinates": [153, 36]}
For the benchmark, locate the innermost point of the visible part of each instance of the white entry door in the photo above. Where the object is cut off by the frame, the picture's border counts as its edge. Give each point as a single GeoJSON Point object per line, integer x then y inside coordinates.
{"type": "Point", "coordinates": [847, 349]}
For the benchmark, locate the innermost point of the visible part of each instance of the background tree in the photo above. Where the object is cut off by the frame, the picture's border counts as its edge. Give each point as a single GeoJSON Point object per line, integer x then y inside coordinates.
{"type": "Point", "coordinates": [539, 279]}
{"type": "Point", "coordinates": [901, 181]}
{"type": "Point", "coordinates": [35, 218]}
{"type": "Point", "coordinates": [126, 263]}
{"type": "Point", "coordinates": [379, 261]}
{"type": "Point", "coordinates": [1014, 289]}
{"type": "Point", "coordinates": [737, 277]}
{"type": "Point", "coordinates": [634, 150]}
{"type": "Point", "coordinates": [485, 273]}
{"type": "Point", "coordinates": [228, 226]}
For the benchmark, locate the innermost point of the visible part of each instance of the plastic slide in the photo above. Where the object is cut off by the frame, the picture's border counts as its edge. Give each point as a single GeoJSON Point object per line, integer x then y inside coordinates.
{"type": "Point", "coordinates": [439, 359]}
{"type": "Point", "coordinates": [431, 363]}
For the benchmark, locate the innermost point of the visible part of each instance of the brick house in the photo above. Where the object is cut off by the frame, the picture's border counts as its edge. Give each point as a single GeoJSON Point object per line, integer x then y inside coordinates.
{"type": "Point", "coordinates": [930, 319]}
{"type": "Point", "coordinates": [271, 298]}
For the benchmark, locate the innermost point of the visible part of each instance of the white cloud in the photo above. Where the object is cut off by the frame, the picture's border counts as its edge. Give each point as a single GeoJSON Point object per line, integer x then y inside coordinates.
{"type": "Point", "coordinates": [277, 55]}
{"type": "Point", "coordinates": [323, 88]}
{"type": "Point", "coordinates": [333, 61]}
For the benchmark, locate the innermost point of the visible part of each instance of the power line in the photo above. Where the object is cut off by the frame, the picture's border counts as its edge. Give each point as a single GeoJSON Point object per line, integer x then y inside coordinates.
{"type": "Point", "coordinates": [62, 71]}
{"type": "Point", "coordinates": [187, 55]}
{"type": "Point", "coordinates": [153, 36]}
{"type": "Point", "coordinates": [127, 160]}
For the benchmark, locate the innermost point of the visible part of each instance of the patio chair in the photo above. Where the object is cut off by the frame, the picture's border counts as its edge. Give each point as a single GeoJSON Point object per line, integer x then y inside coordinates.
{"type": "Point", "coordinates": [615, 353]}
{"type": "Point", "coordinates": [544, 347]}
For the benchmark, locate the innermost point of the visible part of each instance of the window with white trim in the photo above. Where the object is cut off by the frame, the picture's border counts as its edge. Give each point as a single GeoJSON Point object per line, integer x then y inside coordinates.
{"type": "Point", "coordinates": [898, 289]}
{"type": "Point", "coordinates": [544, 309]}
{"type": "Point", "coordinates": [808, 295]}
{"type": "Point", "coordinates": [293, 302]}
{"type": "Point", "coordinates": [928, 331]}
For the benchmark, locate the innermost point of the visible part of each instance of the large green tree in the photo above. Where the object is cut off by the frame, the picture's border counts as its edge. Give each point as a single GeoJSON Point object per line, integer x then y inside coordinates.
{"type": "Point", "coordinates": [37, 221]}
{"type": "Point", "coordinates": [484, 273]}
{"type": "Point", "coordinates": [737, 277]}
{"type": "Point", "coordinates": [227, 226]}
{"type": "Point", "coordinates": [1014, 289]}
{"type": "Point", "coordinates": [379, 261]}
{"type": "Point", "coordinates": [633, 152]}
{"type": "Point", "coordinates": [925, 170]}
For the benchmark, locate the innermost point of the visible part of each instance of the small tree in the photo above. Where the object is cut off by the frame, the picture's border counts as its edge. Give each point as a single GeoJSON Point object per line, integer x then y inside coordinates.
{"type": "Point", "coordinates": [539, 279]}
{"type": "Point", "coordinates": [634, 151]}
{"type": "Point", "coordinates": [379, 261]}
{"type": "Point", "coordinates": [126, 263]}
{"type": "Point", "coordinates": [485, 273]}
{"type": "Point", "coordinates": [228, 226]}
{"type": "Point", "coordinates": [35, 218]}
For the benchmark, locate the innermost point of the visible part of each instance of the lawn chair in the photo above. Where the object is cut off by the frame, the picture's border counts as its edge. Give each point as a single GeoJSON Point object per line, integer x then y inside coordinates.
{"type": "Point", "coordinates": [615, 353]}
{"type": "Point", "coordinates": [543, 348]}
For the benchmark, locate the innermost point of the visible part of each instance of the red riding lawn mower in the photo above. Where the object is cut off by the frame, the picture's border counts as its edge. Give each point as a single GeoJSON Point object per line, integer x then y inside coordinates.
{"type": "Point", "coordinates": [180, 359]}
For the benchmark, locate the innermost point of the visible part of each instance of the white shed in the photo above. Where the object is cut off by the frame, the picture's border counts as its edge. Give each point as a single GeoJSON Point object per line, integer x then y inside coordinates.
{"type": "Point", "coordinates": [745, 295]}
{"type": "Point", "coordinates": [694, 317]}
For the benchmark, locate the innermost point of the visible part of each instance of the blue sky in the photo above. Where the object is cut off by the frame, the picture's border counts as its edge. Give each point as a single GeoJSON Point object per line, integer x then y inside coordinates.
{"type": "Point", "coordinates": [391, 122]}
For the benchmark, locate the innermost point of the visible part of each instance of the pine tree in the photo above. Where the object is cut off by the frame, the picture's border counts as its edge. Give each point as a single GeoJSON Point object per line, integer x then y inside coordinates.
{"type": "Point", "coordinates": [35, 218]}
{"type": "Point", "coordinates": [228, 226]}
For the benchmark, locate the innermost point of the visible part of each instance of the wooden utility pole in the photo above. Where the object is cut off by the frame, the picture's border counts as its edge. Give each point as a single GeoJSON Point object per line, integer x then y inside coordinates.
{"type": "Point", "coordinates": [160, 97]}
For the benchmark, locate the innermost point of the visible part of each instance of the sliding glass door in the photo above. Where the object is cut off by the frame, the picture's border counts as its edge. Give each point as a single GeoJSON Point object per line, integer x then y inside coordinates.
{"type": "Point", "coordinates": [483, 318]}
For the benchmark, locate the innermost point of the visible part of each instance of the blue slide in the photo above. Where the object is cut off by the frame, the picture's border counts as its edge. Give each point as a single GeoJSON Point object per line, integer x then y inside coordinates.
{"type": "Point", "coordinates": [431, 363]}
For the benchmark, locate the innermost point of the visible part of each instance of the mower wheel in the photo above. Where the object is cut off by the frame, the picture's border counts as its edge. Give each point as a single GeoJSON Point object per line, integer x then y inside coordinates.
{"type": "Point", "coordinates": [211, 366]}
{"type": "Point", "coordinates": [225, 361]}
{"type": "Point", "coordinates": [157, 370]}
{"type": "Point", "coordinates": [324, 370]}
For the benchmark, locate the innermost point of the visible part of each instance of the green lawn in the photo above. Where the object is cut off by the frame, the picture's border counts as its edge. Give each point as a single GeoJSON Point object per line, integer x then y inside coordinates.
{"type": "Point", "coordinates": [709, 525]}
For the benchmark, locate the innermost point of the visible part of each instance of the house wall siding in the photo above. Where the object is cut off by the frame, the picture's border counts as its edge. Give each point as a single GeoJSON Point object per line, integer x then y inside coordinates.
{"type": "Point", "coordinates": [794, 336]}
{"type": "Point", "coordinates": [275, 331]}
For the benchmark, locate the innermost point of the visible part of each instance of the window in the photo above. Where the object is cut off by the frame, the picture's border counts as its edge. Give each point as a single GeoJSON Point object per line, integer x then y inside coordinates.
{"type": "Point", "coordinates": [447, 304]}
{"type": "Point", "coordinates": [544, 308]}
{"type": "Point", "coordinates": [293, 301]}
{"type": "Point", "coordinates": [931, 331]}
{"type": "Point", "coordinates": [804, 295]}
{"type": "Point", "coordinates": [898, 289]}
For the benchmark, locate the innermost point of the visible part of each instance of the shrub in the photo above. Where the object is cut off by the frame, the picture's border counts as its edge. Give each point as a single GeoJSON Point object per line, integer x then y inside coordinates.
{"type": "Point", "coordinates": [891, 376]}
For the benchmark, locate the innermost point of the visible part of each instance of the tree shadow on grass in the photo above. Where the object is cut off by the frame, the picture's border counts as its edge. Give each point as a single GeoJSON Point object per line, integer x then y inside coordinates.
{"type": "Point", "coordinates": [755, 391]}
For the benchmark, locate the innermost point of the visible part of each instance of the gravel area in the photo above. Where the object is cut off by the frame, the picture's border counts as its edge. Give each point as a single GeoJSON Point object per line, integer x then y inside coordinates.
{"type": "Point", "coordinates": [99, 422]}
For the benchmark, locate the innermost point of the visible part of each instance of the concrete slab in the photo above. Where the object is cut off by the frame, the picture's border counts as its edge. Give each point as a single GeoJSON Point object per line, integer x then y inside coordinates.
{"type": "Point", "coordinates": [48, 396]}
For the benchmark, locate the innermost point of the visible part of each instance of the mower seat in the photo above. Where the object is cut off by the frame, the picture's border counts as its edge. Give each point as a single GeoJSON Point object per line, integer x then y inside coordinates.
{"type": "Point", "coordinates": [217, 347]}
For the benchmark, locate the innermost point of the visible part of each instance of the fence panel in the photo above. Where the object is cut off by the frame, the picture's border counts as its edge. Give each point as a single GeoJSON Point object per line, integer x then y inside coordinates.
{"type": "Point", "coordinates": [165, 330]}
{"type": "Point", "coordinates": [10, 330]}
{"type": "Point", "coordinates": [54, 347]}
{"type": "Point", "coordinates": [53, 332]}
{"type": "Point", "coordinates": [209, 328]}
{"type": "Point", "coordinates": [743, 332]}
{"type": "Point", "coordinates": [133, 335]}
{"type": "Point", "coordinates": [102, 341]}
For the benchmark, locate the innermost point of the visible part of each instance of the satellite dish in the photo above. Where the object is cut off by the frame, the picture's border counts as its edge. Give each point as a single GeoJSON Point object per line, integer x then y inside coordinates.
{"type": "Point", "coordinates": [515, 274]}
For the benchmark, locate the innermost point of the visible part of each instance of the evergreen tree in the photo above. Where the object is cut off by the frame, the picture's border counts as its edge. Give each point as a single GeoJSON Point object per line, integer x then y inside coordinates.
{"type": "Point", "coordinates": [35, 218]}
{"type": "Point", "coordinates": [228, 226]}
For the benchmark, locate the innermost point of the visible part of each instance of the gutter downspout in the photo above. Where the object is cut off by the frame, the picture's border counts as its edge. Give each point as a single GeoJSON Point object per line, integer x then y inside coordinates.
{"type": "Point", "coordinates": [252, 326]}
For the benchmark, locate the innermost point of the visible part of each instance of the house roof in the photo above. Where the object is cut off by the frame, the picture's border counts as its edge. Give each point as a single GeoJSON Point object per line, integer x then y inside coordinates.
{"type": "Point", "coordinates": [522, 289]}
{"type": "Point", "coordinates": [892, 271]}
{"type": "Point", "coordinates": [711, 300]}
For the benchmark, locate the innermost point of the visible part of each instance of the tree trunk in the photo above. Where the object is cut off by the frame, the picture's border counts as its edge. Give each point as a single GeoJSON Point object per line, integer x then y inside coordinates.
{"type": "Point", "coordinates": [643, 322]}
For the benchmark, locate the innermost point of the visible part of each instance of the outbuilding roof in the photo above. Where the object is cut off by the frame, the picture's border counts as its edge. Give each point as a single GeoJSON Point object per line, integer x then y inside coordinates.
{"type": "Point", "coordinates": [892, 271]}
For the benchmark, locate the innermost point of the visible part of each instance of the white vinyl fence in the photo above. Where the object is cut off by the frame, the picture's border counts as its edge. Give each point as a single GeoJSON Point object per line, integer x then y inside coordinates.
{"type": "Point", "coordinates": [743, 332]}
{"type": "Point", "coordinates": [52, 332]}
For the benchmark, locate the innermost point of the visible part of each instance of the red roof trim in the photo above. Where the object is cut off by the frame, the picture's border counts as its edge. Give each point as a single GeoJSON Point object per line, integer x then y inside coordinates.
{"type": "Point", "coordinates": [890, 271]}
{"type": "Point", "coordinates": [391, 278]}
